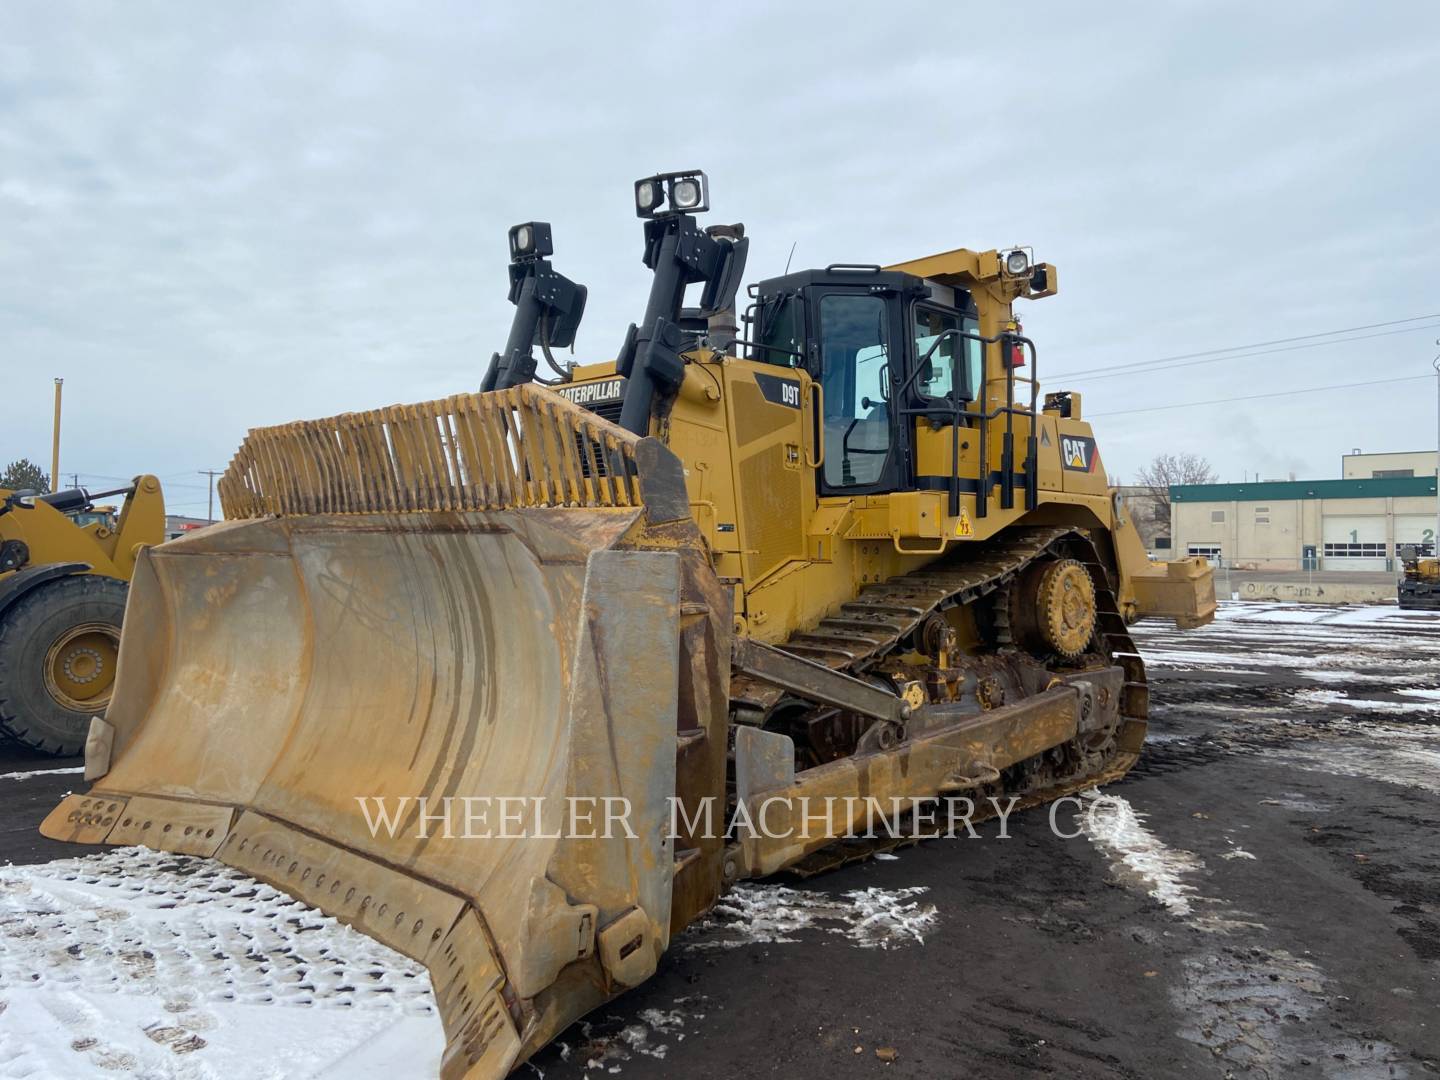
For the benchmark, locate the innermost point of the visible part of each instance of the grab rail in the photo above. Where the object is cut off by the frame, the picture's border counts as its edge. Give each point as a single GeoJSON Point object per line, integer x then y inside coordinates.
{"type": "Point", "coordinates": [958, 409]}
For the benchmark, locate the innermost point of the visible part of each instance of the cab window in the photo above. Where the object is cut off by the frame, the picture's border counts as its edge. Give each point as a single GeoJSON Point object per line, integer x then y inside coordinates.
{"type": "Point", "coordinates": [855, 377]}
{"type": "Point", "coordinates": [781, 334]}
{"type": "Point", "coordinates": [955, 368]}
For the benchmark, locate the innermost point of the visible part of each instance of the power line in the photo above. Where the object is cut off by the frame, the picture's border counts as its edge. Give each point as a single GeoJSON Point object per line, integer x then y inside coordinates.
{"type": "Point", "coordinates": [1239, 356]}
{"type": "Point", "coordinates": [1256, 397]}
{"type": "Point", "coordinates": [168, 485]}
{"type": "Point", "coordinates": [1298, 337]}
{"type": "Point", "coordinates": [1263, 344]}
{"type": "Point", "coordinates": [1260, 345]}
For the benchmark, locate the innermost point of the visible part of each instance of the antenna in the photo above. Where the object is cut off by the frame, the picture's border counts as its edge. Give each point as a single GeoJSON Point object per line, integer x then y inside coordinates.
{"type": "Point", "coordinates": [790, 256]}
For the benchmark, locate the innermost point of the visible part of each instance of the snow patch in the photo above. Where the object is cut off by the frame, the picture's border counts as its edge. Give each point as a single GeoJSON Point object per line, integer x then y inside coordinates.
{"type": "Point", "coordinates": [174, 967]}
{"type": "Point", "coordinates": [1339, 697]}
{"type": "Point", "coordinates": [1344, 675]}
{"type": "Point", "coordinates": [1293, 800]}
{"type": "Point", "coordinates": [1401, 766]}
{"type": "Point", "coordinates": [607, 1043]}
{"type": "Point", "coordinates": [1386, 615]}
{"type": "Point", "coordinates": [1111, 824]}
{"type": "Point", "coordinates": [40, 772]}
{"type": "Point", "coordinates": [872, 918]}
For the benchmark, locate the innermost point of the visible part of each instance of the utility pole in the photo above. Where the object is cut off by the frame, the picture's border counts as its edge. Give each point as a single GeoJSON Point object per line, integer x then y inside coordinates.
{"type": "Point", "coordinates": [1435, 540]}
{"type": "Point", "coordinates": [55, 440]}
{"type": "Point", "coordinates": [210, 508]}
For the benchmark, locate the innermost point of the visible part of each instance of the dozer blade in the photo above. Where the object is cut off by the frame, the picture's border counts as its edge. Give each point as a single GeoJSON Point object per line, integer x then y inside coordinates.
{"type": "Point", "coordinates": [442, 681]}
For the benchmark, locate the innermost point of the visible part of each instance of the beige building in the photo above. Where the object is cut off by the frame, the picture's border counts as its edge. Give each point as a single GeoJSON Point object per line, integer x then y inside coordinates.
{"type": "Point", "coordinates": [1360, 466]}
{"type": "Point", "coordinates": [1151, 519]}
{"type": "Point", "coordinates": [1358, 523]}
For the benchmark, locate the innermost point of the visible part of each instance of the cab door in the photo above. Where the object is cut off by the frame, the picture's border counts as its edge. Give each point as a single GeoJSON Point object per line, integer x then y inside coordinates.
{"type": "Point", "coordinates": [945, 346]}
{"type": "Point", "coordinates": [856, 351]}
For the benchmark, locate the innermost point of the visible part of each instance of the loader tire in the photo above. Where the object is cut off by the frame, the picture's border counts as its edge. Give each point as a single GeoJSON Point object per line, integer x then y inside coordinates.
{"type": "Point", "coordinates": [58, 646]}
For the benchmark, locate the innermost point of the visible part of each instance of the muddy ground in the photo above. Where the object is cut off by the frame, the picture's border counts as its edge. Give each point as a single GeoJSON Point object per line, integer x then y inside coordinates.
{"type": "Point", "coordinates": [1261, 898]}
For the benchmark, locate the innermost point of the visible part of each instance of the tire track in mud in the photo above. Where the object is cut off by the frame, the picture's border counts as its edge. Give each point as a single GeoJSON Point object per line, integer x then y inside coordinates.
{"type": "Point", "coordinates": [1343, 701]}
{"type": "Point", "coordinates": [1242, 997]}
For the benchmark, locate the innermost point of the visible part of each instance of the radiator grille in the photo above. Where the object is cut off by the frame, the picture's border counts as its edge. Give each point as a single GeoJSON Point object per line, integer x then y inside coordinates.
{"type": "Point", "coordinates": [772, 527]}
{"type": "Point", "coordinates": [610, 413]}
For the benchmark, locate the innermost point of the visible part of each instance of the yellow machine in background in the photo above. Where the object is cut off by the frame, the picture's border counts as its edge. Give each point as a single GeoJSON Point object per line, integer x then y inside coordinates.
{"type": "Point", "coordinates": [62, 597]}
{"type": "Point", "coordinates": [855, 556]}
{"type": "Point", "coordinates": [1420, 582]}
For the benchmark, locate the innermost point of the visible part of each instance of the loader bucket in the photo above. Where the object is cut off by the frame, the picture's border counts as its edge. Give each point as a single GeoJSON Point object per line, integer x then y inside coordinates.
{"type": "Point", "coordinates": [442, 680]}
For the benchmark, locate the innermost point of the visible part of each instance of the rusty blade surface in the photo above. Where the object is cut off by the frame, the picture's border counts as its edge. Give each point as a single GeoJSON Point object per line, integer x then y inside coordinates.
{"type": "Point", "coordinates": [275, 673]}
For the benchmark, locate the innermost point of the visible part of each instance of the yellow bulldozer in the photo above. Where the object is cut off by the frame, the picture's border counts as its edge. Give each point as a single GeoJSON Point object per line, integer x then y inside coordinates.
{"type": "Point", "coordinates": [519, 682]}
{"type": "Point", "coordinates": [64, 574]}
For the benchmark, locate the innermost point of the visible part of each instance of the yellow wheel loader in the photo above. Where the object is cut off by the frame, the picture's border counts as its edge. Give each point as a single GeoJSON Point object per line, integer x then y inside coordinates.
{"type": "Point", "coordinates": [1419, 586]}
{"type": "Point", "coordinates": [519, 682]}
{"type": "Point", "coordinates": [62, 597]}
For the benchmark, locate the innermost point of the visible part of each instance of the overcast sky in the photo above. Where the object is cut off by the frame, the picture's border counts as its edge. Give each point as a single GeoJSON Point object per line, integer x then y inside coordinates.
{"type": "Point", "coordinates": [219, 216]}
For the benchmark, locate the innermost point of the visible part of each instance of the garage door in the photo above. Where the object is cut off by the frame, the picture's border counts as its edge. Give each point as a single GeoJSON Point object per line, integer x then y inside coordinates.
{"type": "Point", "coordinates": [1417, 529]}
{"type": "Point", "coordinates": [1355, 542]}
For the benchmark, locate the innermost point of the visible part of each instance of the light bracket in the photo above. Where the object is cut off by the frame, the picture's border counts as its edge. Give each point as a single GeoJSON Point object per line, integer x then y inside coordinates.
{"type": "Point", "coordinates": [1017, 262]}
{"type": "Point", "coordinates": [531, 240]}
{"type": "Point", "coordinates": [664, 194]}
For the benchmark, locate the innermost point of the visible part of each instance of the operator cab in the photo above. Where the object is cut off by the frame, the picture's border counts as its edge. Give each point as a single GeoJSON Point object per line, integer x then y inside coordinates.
{"type": "Point", "coordinates": [884, 346]}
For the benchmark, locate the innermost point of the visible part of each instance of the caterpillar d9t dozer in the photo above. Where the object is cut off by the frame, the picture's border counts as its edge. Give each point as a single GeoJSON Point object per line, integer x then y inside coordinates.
{"type": "Point", "coordinates": [602, 647]}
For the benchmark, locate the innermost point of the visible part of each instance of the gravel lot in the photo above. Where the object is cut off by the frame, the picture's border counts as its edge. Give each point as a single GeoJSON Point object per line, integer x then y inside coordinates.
{"type": "Point", "coordinates": [1260, 897]}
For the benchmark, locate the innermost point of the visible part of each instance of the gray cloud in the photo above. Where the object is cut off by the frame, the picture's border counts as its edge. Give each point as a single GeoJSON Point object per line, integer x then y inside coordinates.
{"type": "Point", "coordinates": [218, 217]}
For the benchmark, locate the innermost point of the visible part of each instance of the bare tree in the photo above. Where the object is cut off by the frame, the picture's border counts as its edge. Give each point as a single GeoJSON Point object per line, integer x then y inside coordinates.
{"type": "Point", "coordinates": [1168, 469]}
{"type": "Point", "coordinates": [24, 474]}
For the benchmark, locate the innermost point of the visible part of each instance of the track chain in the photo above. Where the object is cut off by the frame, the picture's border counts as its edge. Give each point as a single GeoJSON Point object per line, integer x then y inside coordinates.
{"type": "Point", "coordinates": [863, 631]}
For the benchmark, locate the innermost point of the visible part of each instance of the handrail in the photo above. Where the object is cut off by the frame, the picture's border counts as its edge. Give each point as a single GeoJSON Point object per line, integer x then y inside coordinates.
{"type": "Point", "coordinates": [816, 393]}
{"type": "Point", "coordinates": [983, 420]}
{"type": "Point", "coordinates": [768, 348]}
{"type": "Point", "coordinates": [939, 549]}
